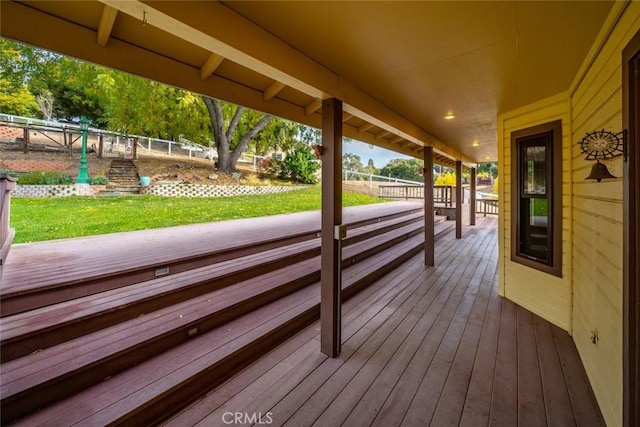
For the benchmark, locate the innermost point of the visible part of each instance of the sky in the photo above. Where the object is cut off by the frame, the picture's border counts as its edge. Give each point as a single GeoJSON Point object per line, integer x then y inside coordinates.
{"type": "Point", "coordinates": [379, 155]}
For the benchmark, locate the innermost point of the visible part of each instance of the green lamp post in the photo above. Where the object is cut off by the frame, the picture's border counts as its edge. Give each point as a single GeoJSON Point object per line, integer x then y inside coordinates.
{"type": "Point", "coordinates": [83, 173]}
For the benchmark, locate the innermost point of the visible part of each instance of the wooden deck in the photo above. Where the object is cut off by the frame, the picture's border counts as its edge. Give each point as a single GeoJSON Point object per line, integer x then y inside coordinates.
{"type": "Point", "coordinates": [432, 346]}
{"type": "Point", "coordinates": [228, 335]}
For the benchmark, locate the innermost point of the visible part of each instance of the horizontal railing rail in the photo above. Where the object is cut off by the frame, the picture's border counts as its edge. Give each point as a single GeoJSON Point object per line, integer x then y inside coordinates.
{"type": "Point", "coordinates": [400, 192]}
{"type": "Point", "coordinates": [376, 178]}
{"type": "Point", "coordinates": [115, 144]}
{"type": "Point", "coordinates": [487, 206]}
{"type": "Point", "coordinates": [442, 194]}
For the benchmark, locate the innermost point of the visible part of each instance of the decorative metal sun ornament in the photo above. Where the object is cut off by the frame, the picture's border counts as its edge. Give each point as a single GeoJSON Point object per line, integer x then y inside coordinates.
{"type": "Point", "coordinates": [602, 145]}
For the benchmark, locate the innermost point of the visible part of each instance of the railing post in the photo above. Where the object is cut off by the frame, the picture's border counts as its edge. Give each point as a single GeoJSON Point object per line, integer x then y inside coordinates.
{"type": "Point", "coordinates": [7, 183]}
{"type": "Point", "coordinates": [100, 145]}
{"type": "Point", "coordinates": [429, 211]}
{"type": "Point", "coordinates": [458, 199]}
{"type": "Point", "coordinates": [25, 143]}
{"type": "Point", "coordinates": [472, 196]}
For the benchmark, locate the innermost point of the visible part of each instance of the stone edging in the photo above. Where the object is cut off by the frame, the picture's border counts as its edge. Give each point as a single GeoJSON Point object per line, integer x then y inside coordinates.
{"type": "Point", "coordinates": [161, 189]}
{"type": "Point", "coordinates": [199, 190]}
{"type": "Point", "coordinates": [40, 191]}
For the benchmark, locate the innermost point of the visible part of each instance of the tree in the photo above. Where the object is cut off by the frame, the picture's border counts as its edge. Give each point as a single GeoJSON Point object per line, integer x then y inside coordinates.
{"type": "Point", "coordinates": [371, 168]}
{"type": "Point", "coordinates": [491, 169]}
{"type": "Point", "coordinates": [408, 169]}
{"type": "Point", "coordinates": [240, 129]}
{"type": "Point", "coordinates": [279, 134]}
{"type": "Point", "coordinates": [15, 97]}
{"type": "Point", "coordinates": [132, 105]}
{"type": "Point", "coordinates": [448, 178]}
{"type": "Point", "coordinates": [352, 162]}
{"type": "Point", "coordinates": [45, 103]}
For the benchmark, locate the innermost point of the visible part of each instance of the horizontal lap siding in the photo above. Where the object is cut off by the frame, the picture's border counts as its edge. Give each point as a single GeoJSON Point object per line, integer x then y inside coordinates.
{"type": "Point", "coordinates": [546, 295]}
{"type": "Point", "coordinates": [597, 251]}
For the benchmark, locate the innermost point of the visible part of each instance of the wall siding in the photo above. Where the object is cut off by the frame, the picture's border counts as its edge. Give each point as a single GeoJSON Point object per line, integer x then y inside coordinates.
{"type": "Point", "coordinates": [589, 296]}
{"type": "Point", "coordinates": [546, 295]}
{"type": "Point", "coordinates": [596, 103]}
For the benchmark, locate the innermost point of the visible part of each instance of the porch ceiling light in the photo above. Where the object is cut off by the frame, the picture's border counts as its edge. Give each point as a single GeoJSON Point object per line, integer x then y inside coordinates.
{"type": "Point", "coordinates": [449, 116]}
{"type": "Point", "coordinates": [475, 144]}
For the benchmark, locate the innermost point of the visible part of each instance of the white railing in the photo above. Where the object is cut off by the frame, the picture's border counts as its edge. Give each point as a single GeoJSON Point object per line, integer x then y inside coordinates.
{"type": "Point", "coordinates": [115, 144]}
{"type": "Point", "coordinates": [378, 178]}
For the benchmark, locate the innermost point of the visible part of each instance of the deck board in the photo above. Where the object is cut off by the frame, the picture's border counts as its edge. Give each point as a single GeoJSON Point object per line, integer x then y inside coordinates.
{"type": "Point", "coordinates": [421, 346]}
{"type": "Point", "coordinates": [33, 266]}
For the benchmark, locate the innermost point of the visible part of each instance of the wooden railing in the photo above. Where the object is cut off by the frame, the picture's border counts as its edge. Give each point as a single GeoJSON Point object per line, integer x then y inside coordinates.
{"type": "Point", "coordinates": [442, 194]}
{"type": "Point", "coordinates": [400, 192]}
{"type": "Point", "coordinates": [487, 206]}
{"type": "Point", "coordinates": [7, 183]}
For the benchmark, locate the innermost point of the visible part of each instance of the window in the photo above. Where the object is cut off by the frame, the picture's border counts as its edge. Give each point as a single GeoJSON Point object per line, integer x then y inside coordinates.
{"type": "Point", "coordinates": [536, 218]}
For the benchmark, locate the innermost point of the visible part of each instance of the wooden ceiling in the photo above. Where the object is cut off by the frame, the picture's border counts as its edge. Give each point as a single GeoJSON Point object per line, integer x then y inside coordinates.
{"type": "Point", "coordinates": [399, 67]}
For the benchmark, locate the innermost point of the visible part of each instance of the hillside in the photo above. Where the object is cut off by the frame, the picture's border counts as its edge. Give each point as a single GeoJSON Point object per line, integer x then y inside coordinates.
{"type": "Point", "coordinates": [47, 154]}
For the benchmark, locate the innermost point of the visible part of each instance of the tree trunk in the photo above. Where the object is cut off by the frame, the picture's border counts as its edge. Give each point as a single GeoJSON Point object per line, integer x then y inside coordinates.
{"type": "Point", "coordinates": [227, 159]}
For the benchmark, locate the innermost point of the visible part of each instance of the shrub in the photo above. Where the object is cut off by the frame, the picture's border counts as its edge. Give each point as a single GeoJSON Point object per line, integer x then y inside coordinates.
{"type": "Point", "coordinates": [99, 180]}
{"type": "Point", "coordinates": [269, 168]}
{"type": "Point", "coordinates": [300, 165]}
{"type": "Point", "coordinates": [44, 178]}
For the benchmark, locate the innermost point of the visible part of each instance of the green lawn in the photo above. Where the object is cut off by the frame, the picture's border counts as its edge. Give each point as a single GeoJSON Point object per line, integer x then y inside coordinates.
{"type": "Point", "coordinates": [47, 219]}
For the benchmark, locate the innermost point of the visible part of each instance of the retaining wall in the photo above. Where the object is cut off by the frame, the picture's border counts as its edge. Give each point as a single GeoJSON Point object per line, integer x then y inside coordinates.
{"type": "Point", "coordinates": [39, 191]}
{"type": "Point", "coordinates": [159, 189]}
{"type": "Point", "coordinates": [198, 190]}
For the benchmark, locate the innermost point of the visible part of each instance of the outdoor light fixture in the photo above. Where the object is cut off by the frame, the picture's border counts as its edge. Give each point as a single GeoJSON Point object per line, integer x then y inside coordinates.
{"type": "Point", "coordinates": [318, 150]}
{"type": "Point", "coordinates": [449, 116]}
{"type": "Point", "coordinates": [603, 145]}
{"type": "Point", "coordinates": [83, 173]}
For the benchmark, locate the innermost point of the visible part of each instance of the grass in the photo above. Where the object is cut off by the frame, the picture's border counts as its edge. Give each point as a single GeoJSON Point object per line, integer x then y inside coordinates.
{"type": "Point", "coordinates": [46, 219]}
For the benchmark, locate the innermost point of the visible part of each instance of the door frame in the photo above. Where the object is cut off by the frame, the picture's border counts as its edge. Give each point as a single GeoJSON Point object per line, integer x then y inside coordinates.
{"type": "Point", "coordinates": [631, 237]}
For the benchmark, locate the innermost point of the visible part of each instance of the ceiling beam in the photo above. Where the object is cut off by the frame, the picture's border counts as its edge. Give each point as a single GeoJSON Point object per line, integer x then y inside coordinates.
{"type": "Point", "coordinates": [273, 90]}
{"type": "Point", "coordinates": [346, 117]}
{"type": "Point", "coordinates": [398, 139]}
{"type": "Point", "coordinates": [382, 134]}
{"type": "Point", "coordinates": [218, 28]}
{"type": "Point", "coordinates": [107, 20]}
{"type": "Point", "coordinates": [365, 127]}
{"type": "Point", "coordinates": [210, 66]}
{"type": "Point", "coordinates": [313, 107]}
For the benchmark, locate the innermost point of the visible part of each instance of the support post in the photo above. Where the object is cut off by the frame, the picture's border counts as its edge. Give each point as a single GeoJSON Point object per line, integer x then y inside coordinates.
{"type": "Point", "coordinates": [458, 199]}
{"type": "Point", "coordinates": [429, 211]}
{"type": "Point", "coordinates": [25, 142]}
{"type": "Point", "coordinates": [331, 275]}
{"type": "Point", "coordinates": [472, 191]}
{"type": "Point", "coordinates": [100, 145]}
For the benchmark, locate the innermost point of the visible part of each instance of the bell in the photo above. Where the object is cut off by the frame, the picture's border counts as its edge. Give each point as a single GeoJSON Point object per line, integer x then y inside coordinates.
{"type": "Point", "coordinates": [599, 171]}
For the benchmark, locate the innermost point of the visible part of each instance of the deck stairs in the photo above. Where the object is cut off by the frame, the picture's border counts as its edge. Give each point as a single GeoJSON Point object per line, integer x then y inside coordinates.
{"type": "Point", "coordinates": [122, 349]}
{"type": "Point", "coordinates": [123, 177]}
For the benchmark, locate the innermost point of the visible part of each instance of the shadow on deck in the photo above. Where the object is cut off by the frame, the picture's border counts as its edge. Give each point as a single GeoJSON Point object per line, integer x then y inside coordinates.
{"type": "Point", "coordinates": [111, 341]}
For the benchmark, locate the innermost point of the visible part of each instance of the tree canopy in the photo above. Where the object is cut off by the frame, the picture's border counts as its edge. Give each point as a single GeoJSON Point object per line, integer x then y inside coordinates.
{"type": "Point", "coordinates": [408, 169]}
{"type": "Point", "coordinates": [38, 83]}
